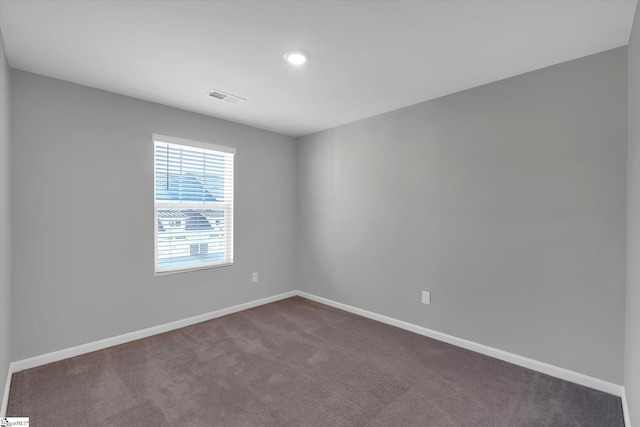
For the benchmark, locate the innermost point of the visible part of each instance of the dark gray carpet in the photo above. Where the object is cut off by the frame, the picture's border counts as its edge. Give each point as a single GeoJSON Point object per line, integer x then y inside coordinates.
{"type": "Point", "coordinates": [299, 363]}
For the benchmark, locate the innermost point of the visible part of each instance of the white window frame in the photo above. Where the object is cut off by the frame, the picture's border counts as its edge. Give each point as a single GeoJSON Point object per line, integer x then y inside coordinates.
{"type": "Point", "coordinates": [226, 206]}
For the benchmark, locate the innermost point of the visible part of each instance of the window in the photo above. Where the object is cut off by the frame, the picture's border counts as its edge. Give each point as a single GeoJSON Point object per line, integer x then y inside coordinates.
{"type": "Point", "coordinates": [193, 205]}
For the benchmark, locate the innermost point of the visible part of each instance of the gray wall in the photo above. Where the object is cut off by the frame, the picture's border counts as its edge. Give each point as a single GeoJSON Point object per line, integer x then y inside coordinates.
{"type": "Point", "coordinates": [506, 201]}
{"type": "Point", "coordinates": [5, 226]}
{"type": "Point", "coordinates": [82, 212]}
{"type": "Point", "coordinates": [632, 342]}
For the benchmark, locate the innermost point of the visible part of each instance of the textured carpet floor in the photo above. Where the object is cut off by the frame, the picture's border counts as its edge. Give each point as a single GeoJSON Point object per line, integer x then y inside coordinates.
{"type": "Point", "coordinates": [299, 363]}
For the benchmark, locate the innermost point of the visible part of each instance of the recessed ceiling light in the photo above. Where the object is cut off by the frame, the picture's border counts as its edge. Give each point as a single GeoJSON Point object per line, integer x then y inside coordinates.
{"type": "Point", "coordinates": [296, 57]}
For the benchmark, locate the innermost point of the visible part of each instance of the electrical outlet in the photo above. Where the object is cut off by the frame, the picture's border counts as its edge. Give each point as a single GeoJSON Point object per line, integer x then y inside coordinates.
{"type": "Point", "coordinates": [254, 277]}
{"type": "Point", "coordinates": [426, 297]}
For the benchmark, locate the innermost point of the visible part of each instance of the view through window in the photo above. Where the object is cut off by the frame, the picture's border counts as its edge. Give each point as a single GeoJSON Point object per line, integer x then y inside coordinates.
{"type": "Point", "coordinates": [193, 205]}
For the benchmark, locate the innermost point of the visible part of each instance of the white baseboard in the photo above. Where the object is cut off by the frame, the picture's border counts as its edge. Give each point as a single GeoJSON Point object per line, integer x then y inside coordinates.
{"type": "Point", "coordinates": [545, 368]}
{"type": "Point", "coordinates": [5, 396]}
{"type": "Point", "coordinates": [625, 408]}
{"type": "Point", "coordinates": [526, 362]}
{"type": "Point", "coordinates": [55, 356]}
{"type": "Point", "coordinates": [43, 359]}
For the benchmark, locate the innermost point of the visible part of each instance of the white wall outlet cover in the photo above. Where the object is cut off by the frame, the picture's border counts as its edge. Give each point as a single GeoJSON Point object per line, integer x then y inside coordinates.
{"type": "Point", "coordinates": [426, 297]}
{"type": "Point", "coordinates": [254, 277]}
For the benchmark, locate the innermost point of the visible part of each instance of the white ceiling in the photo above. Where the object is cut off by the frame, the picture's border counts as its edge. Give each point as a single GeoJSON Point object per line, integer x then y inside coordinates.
{"type": "Point", "coordinates": [367, 57]}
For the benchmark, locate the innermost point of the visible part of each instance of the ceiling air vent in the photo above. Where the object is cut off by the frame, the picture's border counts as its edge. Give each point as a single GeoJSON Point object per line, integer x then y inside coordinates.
{"type": "Point", "coordinates": [226, 97]}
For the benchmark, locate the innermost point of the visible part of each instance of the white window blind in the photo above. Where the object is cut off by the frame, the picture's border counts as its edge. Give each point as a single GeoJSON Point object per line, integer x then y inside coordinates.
{"type": "Point", "coordinates": [193, 205]}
